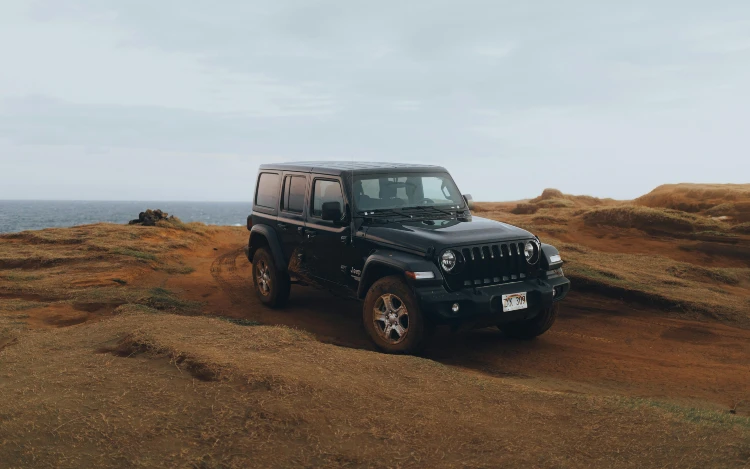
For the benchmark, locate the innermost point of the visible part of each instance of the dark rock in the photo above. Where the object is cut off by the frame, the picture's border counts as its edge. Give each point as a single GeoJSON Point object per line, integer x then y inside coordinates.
{"type": "Point", "coordinates": [150, 217]}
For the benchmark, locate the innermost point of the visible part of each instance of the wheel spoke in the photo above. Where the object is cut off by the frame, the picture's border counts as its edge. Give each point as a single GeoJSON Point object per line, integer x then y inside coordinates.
{"type": "Point", "coordinates": [380, 316]}
{"type": "Point", "coordinates": [388, 302]}
{"type": "Point", "coordinates": [400, 330]}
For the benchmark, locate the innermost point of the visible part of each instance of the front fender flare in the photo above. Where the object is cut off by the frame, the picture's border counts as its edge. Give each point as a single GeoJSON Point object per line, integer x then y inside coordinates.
{"type": "Point", "coordinates": [274, 245]}
{"type": "Point", "coordinates": [395, 261]}
{"type": "Point", "coordinates": [548, 251]}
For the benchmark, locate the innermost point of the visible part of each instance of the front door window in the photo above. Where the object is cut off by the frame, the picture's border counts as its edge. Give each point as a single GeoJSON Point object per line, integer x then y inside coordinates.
{"type": "Point", "coordinates": [326, 191]}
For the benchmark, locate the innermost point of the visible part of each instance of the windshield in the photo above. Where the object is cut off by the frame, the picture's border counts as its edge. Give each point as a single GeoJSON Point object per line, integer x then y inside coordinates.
{"type": "Point", "coordinates": [393, 191]}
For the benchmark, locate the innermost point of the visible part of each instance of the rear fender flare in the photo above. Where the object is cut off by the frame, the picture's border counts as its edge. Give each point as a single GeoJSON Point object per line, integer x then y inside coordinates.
{"type": "Point", "coordinates": [272, 239]}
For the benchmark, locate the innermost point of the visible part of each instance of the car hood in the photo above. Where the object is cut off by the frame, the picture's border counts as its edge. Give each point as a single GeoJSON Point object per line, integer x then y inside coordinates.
{"type": "Point", "coordinates": [440, 234]}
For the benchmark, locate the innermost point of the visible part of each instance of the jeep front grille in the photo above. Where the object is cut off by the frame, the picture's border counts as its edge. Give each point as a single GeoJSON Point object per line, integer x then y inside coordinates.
{"type": "Point", "coordinates": [491, 264]}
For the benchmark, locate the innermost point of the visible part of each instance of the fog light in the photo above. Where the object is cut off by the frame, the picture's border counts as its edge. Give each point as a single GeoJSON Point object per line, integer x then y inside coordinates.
{"type": "Point", "coordinates": [455, 307]}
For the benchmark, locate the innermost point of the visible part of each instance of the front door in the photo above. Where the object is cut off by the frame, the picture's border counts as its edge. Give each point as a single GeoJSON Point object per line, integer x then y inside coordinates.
{"type": "Point", "coordinates": [291, 220]}
{"type": "Point", "coordinates": [327, 243]}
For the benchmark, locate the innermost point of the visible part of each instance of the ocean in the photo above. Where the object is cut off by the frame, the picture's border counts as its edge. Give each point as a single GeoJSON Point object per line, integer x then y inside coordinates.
{"type": "Point", "coordinates": [20, 215]}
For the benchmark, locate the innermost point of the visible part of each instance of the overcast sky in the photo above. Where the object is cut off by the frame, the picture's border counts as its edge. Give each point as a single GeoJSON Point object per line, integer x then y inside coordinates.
{"type": "Point", "coordinates": [182, 100]}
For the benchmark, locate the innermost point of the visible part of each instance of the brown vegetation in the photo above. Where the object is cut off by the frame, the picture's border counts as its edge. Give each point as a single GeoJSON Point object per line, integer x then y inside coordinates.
{"type": "Point", "coordinates": [728, 200]}
{"type": "Point", "coordinates": [525, 209]}
{"type": "Point", "coordinates": [148, 389]}
{"type": "Point", "coordinates": [138, 346]}
{"type": "Point", "coordinates": [652, 220]}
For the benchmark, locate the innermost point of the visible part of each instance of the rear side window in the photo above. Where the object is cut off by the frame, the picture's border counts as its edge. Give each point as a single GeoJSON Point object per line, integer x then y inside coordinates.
{"type": "Point", "coordinates": [326, 191]}
{"type": "Point", "coordinates": [268, 190]}
{"type": "Point", "coordinates": [294, 193]}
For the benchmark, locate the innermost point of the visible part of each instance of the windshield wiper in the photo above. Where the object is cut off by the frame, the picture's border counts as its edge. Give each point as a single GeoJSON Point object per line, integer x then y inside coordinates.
{"type": "Point", "coordinates": [430, 207]}
{"type": "Point", "coordinates": [383, 213]}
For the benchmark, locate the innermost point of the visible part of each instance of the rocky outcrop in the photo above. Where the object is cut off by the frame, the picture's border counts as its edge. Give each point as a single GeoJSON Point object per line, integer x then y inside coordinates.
{"type": "Point", "coordinates": [150, 217]}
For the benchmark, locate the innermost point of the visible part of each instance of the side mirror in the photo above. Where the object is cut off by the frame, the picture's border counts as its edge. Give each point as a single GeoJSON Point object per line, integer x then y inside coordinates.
{"type": "Point", "coordinates": [331, 211]}
{"type": "Point", "coordinates": [469, 201]}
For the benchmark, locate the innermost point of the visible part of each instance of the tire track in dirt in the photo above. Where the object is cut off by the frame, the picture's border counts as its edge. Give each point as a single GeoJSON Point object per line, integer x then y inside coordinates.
{"type": "Point", "coordinates": [239, 289]}
{"type": "Point", "coordinates": [331, 319]}
{"type": "Point", "coordinates": [598, 345]}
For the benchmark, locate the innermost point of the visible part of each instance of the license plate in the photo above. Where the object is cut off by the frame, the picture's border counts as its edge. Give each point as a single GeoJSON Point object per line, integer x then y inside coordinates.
{"type": "Point", "coordinates": [514, 301]}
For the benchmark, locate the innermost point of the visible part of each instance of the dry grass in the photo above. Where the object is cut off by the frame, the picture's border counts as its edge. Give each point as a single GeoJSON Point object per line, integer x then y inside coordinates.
{"type": "Point", "coordinates": [173, 391]}
{"type": "Point", "coordinates": [743, 228]}
{"type": "Point", "coordinates": [550, 199]}
{"type": "Point", "coordinates": [652, 220]}
{"type": "Point", "coordinates": [525, 209]}
{"type": "Point", "coordinates": [550, 220]}
{"type": "Point", "coordinates": [144, 388]}
{"type": "Point", "coordinates": [695, 197]}
{"type": "Point", "coordinates": [686, 289]}
{"type": "Point", "coordinates": [554, 198]}
{"type": "Point", "coordinates": [89, 261]}
{"type": "Point", "coordinates": [487, 207]}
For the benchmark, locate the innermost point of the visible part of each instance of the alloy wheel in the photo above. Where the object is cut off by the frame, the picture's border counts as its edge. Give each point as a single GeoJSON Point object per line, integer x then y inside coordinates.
{"type": "Point", "coordinates": [263, 278]}
{"type": "Point", "coordinates": [391, 318]}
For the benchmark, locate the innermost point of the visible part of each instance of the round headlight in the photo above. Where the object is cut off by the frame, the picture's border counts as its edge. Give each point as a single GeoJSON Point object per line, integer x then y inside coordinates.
{"type": "Point", "coordinates": [531, 251]}
{"type": "Point", "coordinates": [448, 261]}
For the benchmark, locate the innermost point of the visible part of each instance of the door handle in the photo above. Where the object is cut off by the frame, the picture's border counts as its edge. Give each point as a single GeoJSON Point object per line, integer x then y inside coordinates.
{"type": "Point", "coordinates": [310, 233]}
{"type": "Point", "coordinates": [281, 226]}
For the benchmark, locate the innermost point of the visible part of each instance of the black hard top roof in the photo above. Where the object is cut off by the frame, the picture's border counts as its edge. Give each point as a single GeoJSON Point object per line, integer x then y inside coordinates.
{"type": "Point", "coordinates": [339, 167]}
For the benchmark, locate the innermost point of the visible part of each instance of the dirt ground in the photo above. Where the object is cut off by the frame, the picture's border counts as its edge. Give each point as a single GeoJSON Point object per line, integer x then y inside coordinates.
{"type": "Point", "coordinates": [599, 345]}
{"type": "Point", "coordinates": [146, 347]}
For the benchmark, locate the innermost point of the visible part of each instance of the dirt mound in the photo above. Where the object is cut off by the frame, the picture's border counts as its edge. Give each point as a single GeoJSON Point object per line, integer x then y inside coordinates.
{"type": "Point", "coordinates": [651, 220]}
{"type": "Point", "coordinates": [175, 391]}
{"type": "Point", "coordinates": [525, 209]}
{"type": "Point", "coordinates": [737, 211]}
{"type": "Point", "coordinates": [554, 198]}
{"type": "Point", "coordinates": [480, 207]}
{"type": "Point", "coordinates": [687, 290]}
{"type": "Point", "coordinates": [550, 199]}
{"type": "Point", "coordinates": [153, 217]}
{"type": "Point", "coordinates": [550, 194]}
{"type": "Point", "coordinates": [734, 199]}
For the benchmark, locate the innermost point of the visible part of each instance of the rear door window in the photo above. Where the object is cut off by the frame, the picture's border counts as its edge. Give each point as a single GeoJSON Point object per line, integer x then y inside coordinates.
{"type": "Point", "coordinates": [294, 193]}
{"type": "Point", "coordinates": [268, 190]}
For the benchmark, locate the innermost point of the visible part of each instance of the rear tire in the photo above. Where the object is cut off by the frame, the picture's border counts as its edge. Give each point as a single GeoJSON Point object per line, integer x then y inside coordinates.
{"type": "Point", "coordinates": [271, 286]}
{"type": "Point", "coordinates": [392, 317]}
{"type": "Point", "coordinates": [532, 328]}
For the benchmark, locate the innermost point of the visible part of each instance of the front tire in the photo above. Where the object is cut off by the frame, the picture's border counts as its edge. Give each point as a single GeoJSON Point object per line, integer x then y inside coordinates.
{"type": "Point", "coordinates": [531, 328]}
{"type": "Point", "coordinates": [392, 317]}
{"type": "Point", "coordinates": [271, 286]}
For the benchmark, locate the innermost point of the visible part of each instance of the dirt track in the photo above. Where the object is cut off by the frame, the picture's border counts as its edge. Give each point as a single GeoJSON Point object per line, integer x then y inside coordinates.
{"type": "Point", "coordinates": [598, 345]}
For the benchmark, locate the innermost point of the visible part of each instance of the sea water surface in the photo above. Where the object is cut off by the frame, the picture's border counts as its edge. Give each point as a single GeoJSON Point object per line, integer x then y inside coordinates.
{"type": "Point", "coordinates": [20, 215]}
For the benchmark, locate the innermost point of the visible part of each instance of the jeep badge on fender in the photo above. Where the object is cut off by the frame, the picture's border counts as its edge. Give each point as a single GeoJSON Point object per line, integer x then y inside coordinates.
{"type": "Point", "coordinates": [401, 238]}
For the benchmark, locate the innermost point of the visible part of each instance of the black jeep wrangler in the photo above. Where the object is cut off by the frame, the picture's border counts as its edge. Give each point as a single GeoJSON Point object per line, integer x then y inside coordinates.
{"type": "Point", "coordinates": [402, 238]}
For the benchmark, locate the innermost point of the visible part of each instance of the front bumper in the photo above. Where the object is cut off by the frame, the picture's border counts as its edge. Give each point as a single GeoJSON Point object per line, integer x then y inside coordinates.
{"type": "Point", "coordinates": [484, 304]}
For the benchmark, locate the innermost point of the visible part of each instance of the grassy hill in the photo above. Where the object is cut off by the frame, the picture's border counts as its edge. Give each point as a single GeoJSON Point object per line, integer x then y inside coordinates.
{"type": "Point", "coordinates": [133, 346]}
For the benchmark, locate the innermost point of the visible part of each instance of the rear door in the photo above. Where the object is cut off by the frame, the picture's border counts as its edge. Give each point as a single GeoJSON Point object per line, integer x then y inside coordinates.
{"type": "Point", "coordinates": [291, 220]}
{"type": "Point", "coordinates": [266, 202]}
